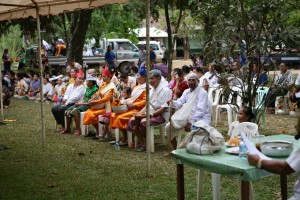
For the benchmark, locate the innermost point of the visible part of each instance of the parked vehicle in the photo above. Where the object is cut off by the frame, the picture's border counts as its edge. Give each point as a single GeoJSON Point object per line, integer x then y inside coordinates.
{"type": "Point", "coordinates": [124, 50]}
{"type": "Point", "coordinates": [276, 59]}
{"type": "Point", "coordinates": [157, 48]}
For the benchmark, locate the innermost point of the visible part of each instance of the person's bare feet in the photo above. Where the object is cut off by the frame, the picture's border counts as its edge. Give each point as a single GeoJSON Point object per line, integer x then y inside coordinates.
{"type": "Point", "coordinates": [77, 133]}
{"type": "Point", "coordinates": [65, 131]}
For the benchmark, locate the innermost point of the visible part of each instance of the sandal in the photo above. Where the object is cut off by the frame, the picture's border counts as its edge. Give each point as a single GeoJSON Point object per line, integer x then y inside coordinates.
{"type": "Point", "coordinates": [64, 131]}
{"type": "Point", "coordinates": [122, 143]}
{"type": "Point", "coordinates": [77, 133]}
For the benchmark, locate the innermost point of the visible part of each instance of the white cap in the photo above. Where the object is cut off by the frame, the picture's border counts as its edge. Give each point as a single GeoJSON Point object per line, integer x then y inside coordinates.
{"type": "Point", "coordinates": [90, 78]}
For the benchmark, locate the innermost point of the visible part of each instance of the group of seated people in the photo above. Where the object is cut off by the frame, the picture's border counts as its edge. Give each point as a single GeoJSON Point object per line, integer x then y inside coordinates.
{"type": "Point", "coordinates": [99, 99]}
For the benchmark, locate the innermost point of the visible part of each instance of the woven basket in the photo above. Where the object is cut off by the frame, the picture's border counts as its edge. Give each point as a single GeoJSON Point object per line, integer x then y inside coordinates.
{"type": "Point", "coordinates": [119, 109]}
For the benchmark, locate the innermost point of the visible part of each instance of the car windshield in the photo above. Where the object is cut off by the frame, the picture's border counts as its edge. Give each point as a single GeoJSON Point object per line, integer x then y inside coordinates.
{"type": "Point", "coordinates": [154, 47]}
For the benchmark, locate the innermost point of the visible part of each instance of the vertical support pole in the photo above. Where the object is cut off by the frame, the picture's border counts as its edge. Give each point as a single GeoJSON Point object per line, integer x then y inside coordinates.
{"type": "Point", "coordinates": [1, 96]}
{"type": "Point", "coordinates": [245, 190]}
{"type": "Point", "coordinates": [283, 184]}
{"type": "Point", "coordinates": [180, 182]}
{"type": "Point", "coordinates": [41, 73]}
{"type": "Point", "coordinates": [148, 135]}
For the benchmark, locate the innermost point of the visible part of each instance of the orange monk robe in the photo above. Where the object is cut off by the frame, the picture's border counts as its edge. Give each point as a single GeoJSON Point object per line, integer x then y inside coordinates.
{"type": "Point", "coordinates": [120, 121]}
{"type": "Point", "coordinates": [91, 115]}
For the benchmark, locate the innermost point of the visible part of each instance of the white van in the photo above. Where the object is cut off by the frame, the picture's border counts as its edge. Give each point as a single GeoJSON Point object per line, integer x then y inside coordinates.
{"type": "Point", "coordinates": [157, 48]}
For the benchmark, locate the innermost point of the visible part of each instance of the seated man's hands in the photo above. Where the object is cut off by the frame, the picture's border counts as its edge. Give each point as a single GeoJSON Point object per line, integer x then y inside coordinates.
{"type": "Point", "coordinates": [130, 105]}
{"type": "Point", "coordinates": [187, 127]}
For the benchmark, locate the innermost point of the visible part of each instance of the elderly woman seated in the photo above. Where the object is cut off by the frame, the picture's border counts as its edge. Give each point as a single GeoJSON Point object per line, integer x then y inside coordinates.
{"type": "Point", "coordinates": [74, 111]}
{"type": "Point", "coordinates": [22, 87]}
{"type": "Point", "coordinates": [102, 103]}
{"type": "Point", "coordinates": [160, 94]}
{"type": "Point", "coordinates": [73, 95]}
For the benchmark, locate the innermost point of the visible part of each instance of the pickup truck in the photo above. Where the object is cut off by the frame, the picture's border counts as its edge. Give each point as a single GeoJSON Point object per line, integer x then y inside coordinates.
{"type": "Point", "coordinates": [276, 59]}
{"type": "Point", "coordinates": [124, 50]}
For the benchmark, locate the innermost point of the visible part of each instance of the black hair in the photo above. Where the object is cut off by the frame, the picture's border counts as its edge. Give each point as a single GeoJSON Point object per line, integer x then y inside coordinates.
{"type": "Point", "coordinates": [178, 71]}
{"type": "Point", "coordinates": [20, 75]}
{"type": "Point", "coordinates": [248, 113]}
{"type": "Point", "coordinates": [186, 69]}
{"type": "Point", "coordinates": [4, 83]}
{"type": "Point", "coordinates": [128, 90]}
{"type": "Point", "coordinates": [199, 70]}
{"type": "Point", "coordinates": [135, 69]}
{"type": "Point", "coordinates": [124, 75]}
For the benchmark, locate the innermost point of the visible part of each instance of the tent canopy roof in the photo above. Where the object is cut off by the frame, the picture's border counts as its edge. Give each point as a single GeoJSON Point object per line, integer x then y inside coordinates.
{"type": "Point", "coordinates": [15, 9]}
{"type": "Point", "coordinates": [154, 33]}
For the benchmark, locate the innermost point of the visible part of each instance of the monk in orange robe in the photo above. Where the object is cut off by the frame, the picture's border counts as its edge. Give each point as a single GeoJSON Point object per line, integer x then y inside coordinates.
{"type": "Point", "coordinates": [106, 91]}
{"type": "Point", "coordinates": [135, 103]}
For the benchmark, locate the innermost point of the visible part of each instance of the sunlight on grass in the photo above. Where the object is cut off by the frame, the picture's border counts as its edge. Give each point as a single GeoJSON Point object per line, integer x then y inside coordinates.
{"type": "Point", "coordinates": [28, 171]}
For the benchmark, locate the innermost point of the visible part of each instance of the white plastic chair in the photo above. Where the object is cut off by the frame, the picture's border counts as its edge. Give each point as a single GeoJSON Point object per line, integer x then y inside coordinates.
{"type": "Point", "coordinates": [83, 128]}
{"type": "Point", "coordinates": [250, 129]}
{"type": "Point", "coordinates": [229, 107]}
{"type": "Point", "coordinates": [215, 99]}
{"type": "Point", "coordinates": [162, 131]}
{"type": "Point", "coordinates": [129, 136]}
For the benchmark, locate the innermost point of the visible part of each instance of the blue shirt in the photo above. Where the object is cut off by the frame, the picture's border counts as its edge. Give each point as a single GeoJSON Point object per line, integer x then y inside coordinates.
{"type": "Point", "coordinates": [109, 57]}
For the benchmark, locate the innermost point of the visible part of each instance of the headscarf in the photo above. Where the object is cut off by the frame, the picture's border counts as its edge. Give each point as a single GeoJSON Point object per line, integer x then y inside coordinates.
{"type": "Point", "coordinates": [142, 71]}
{"type": "Point", "coordinates": [107, 73]}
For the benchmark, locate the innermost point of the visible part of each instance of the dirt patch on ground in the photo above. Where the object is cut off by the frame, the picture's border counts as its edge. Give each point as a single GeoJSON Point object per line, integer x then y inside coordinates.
{"type": "Point", "coordinates": [180, 63]}
{"type": "Point", "coordinates": [276, 124]}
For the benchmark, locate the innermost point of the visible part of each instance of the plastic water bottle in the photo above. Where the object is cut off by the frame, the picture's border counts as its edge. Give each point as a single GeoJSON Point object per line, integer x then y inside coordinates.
{"type": "Point", "coordinates": [243, 150]}
{"type": "Point", "coordinates": [117, 146]}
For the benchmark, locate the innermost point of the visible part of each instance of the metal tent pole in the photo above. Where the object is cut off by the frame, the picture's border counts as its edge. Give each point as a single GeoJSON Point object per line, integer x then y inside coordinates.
{"type": "Point", "coordinates": [41, 73]}
{"type": "Point", "coordinates": [148, 136]}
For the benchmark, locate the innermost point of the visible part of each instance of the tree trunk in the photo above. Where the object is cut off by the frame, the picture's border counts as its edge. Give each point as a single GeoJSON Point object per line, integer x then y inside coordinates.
{"type": "Point", "coordinates": [97, 43]}
{"type": "Point", "coordinates": [186, 49]}
{"type": "Point", "coordinates": [78, 27]}
{"type": "Point", "coordinates": [170, 42]}
{"type": "Point", "coordinates": [208, 35]}
{"type": "Point", "coordinates": [63, 19]}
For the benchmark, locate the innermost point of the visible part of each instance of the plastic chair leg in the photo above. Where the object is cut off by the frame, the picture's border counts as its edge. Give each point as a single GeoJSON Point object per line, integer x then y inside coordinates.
{"type": "Point", "coordinates": [229, 116]}
{"type": "Point", "coordinates": [82, 126]}
{"type": "Point", "coordinates": [199, 184]}
{"type": "Point", "coordinates": [217, 113]}
{"type": "Point", "coordinates": [117, 134]}
{"type": "Point", "coordinates": [152, 139]}
{"type": "Point", "coordinates": [216, 183]}
{"type": "Point", "coordinates": [162, 130]}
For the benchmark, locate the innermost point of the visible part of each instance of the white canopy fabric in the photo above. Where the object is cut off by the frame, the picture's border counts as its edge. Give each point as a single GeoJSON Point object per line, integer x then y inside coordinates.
{"type": "Point", "coordinates": [154, 33]}
{"type": "Point", "coordinates": [16, 9]}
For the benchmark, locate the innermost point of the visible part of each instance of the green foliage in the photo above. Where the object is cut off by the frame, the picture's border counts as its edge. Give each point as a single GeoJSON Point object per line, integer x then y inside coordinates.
{"type": "Point", "coordinates": [11, 40]}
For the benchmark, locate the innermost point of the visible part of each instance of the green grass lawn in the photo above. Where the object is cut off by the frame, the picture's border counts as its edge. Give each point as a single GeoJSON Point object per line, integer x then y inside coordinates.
{"type": "Point", "coordinates": [28, 171]}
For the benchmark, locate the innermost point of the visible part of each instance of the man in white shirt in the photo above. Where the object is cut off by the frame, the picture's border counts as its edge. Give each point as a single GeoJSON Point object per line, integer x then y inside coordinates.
{"type": "Point", "coordinates": [160, 94]}
{"type": "Point", "coordinates": [73, 94]}
{"type": "Point", "coordinates": [47, 88]}
{"type": "Point", "coordinates": [212, 75]}
{"type": "Point", "coordinates": [282, 82]}
{"type": "Point", "coordinates": [195, 106]}
{"type": "Point", "coordinates": [142, 56]}
{"type": "Point", "coordinates": [285, 77]}
{"type": "Point", "coordinates": [291, 165]}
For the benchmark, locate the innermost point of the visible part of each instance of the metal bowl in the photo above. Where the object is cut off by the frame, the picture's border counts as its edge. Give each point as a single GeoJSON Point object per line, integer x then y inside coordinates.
{"type": "Point", "coordinates": [277, 148]}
